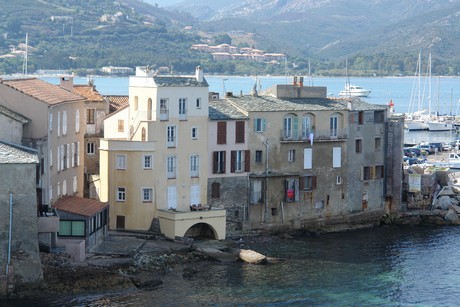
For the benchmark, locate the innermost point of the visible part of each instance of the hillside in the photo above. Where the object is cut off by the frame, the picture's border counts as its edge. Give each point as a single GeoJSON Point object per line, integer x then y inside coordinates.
{"type": "Point", "coordinates": [376, 36]}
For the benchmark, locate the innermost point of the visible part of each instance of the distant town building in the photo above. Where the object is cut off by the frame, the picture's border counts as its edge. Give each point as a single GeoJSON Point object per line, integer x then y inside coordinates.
{"type": "Point", "coordinates": [228, 52]}
{"type": "Point", "coordinates": [112, 70]}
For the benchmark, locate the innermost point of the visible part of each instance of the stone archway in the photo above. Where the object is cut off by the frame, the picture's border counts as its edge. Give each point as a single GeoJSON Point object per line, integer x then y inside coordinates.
{"type": "Point", "coordinates": [202, 230]}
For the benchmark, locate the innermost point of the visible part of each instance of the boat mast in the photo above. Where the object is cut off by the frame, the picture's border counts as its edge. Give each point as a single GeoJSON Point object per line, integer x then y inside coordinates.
{"type": "Point", "coordinates": [24, 65]}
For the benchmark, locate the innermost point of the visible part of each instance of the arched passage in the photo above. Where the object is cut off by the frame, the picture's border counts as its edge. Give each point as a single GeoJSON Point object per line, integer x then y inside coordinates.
{"type": "Point", "coordinates": [202, 230]}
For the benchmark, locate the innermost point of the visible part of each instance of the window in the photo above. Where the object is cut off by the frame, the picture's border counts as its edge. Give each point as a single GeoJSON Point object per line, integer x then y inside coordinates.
{"type": "Point", "coordinates": [379, 117]}
{"type": "Point", "coordinates": [339, 180]}
{"type": "Point", "coordinates": [259, 124]}
{"type": "Point", "coordinates": [194, 133]}
{"type": "Point", "coordinates": [171, 167]}
{"type": "Point", "coordinates": [257, 195]}
{"type": "Point", "coordinates": [164, 112]}
{"type": "Point", "coordinates": [71, 228]}
{"type": "Point", "coordinates": [59, 124]}
{"type": "Point", "coordinates": [221, 133]}
{"type": "Point", "coordinates": [64, 122]}
{"type": "Point", "coordinates": [377, 143]}
{"type": "Point", "coordinates": [379, 172]}
{"type": "Point", "coordinates": [147, 195]}
{"type": "Point", "coordinates": [64, 187]}
{"type": "Point", "coordinates": [306, 127]}
{"type": "Point", "coordinates": [77, 149]}
{"type": "Point", "coordinates": [73, 155]}
{"type": "Point", "coordinates": [309, 182]}
{"type": "Point", "coordinates": [59, 189]}
{"type": "Point", "coordinates": [172, 197]}
{"type": "Point", "coordinates": [90, 116]}
{"type": "Point", "coordinates": [121, 194]}
{"type": "Point", "coordinates": [288, 132]}
{"type": "Point", "coordinates": [74, 184]}
{"type": "Point", "coordinates": [366, 173]}
{"type": "Point", "coordinates": [239, 132]}
{"type": "Point", "coordinates": [259, 154]}
{"type": "Point", "coordinates": [195, 193]}
{"type": "Point", "coordinates": [121, 161]}
{"type": "Point", "coordinates": [136, 103]}
{"type": "Point", "coordinates": [182, 108]}
{"type": "Point", "coordinates": [307, 158]}
{"type": "Point", "coordinates": [198, 103]}
{"type": "Point", "coordinates": [336, 157]}
{"type": "Point", "coordinates": [218, 162]}
{"type": "Point", "coordinates": [50, 191]}
{"type": "Point", "coordinates": [121, 125]}
{"type": "Point", "coordinates": [147, 161]}
{"type": "Point", "coordinates": [359, 146]}
{"type": "Point", "coordinates": [171, 136]}
{"type": "Point", "coordinates": [333, 126]}
{"type": "Point", "coordinates": [360, 117]}
{"type": "Point", "coordinates": [194, 165]}
{"type": "Point", "coordinates": [291, 155]}
{"type": "Point", "coordinates": [292, 190]}
{"type": "Point", "coordinates": [51, 122]}
{"type": "Point", "coordinates": [77, 121]}
{"type": "Point", "coordinates": [237, 161]}
{"type": "Point", "coordinates": [50, 160]}
{"type": "Point", "coordinates": [215, 190]}
{"type": "Point", "coordinates": [143, 134]}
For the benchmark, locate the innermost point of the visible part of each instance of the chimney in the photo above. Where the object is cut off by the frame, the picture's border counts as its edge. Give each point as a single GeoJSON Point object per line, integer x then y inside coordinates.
{"type": "Point", "coordinates": [199, 74]}
{"type": "Point", "coordinates": [66, 83]}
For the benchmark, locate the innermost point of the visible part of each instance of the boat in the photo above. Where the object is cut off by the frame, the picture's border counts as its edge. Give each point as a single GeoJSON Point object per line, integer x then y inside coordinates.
{"type": "Point", "coordinates": [354, 91]}
{"type": "Point", "coordinates": [440, 125]}
{"type": "Point", "coordinates": [453, 161]}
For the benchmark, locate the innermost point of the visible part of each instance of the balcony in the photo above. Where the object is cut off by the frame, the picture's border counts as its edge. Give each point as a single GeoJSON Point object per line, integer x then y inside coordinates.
{"type": "Point", "coordinates": [319, 135]}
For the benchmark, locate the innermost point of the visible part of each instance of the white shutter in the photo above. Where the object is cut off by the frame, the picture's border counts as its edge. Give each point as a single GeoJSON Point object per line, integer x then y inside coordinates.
{"type": "Point", "coordinates": [337, 157]}
{"type": "Point", "coordinates": [172, 198]}
{"type": "Point", "coordinates": [64, 187]}
{"type": "Point", "coordinates": [51, 122]}
{"type": "Point", "coordinates": [62, 156]}
{"type": "Point", "coordinates": [73, 154]}
{"type": "Point", "coordinates": [307, 158]}
{"type": "Point", "coordinates": [58, 158]}
{"type": "Point", "coordinates": [64, 122]}
{"type": "Point", "coordinates": [78, 153]}
{"type": "Point", "coordinates": [75, 183]}
{"type": "Point", "coordinates": [59, 124]}
{"type": "Point", "coordinates": [77, 121]}
{"type": "Point", "coordinates": [50, 158]}
{"type": "Point", "coordinates": [195, 194]}
{"type": "Point", "coordinates": [68, 154]}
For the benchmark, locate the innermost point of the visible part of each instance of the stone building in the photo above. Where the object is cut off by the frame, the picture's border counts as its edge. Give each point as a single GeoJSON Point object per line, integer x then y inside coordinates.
{"type": "Point", "coordinates": [317, 161]}
{"type": "Point", "coordinates": [229, 161]}
{"type": "Point", "coordinates": [19, 253]}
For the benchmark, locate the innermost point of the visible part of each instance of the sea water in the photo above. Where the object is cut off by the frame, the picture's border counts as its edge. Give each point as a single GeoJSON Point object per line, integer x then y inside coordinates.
{"type": "Point", "coordinates": [385, 266]}
{"type": "Point", "coordinates": [445, 96]}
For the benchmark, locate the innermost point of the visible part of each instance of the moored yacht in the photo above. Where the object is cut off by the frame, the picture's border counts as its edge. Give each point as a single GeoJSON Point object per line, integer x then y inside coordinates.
{"type": "Point", "coordinates": [354, 91]}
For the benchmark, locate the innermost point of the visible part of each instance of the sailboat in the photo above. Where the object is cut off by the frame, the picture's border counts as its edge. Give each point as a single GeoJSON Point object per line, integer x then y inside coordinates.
{"type": "Point", "coordinates": [352, 90]}
{"type": "Point", "coordinates": [418, 119]}
{"type": "Point", "coordinates": [441, 123]}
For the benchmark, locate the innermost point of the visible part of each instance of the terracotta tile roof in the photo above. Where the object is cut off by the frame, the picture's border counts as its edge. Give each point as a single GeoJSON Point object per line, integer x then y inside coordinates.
{"type": "Point", "coordinates": [79, 205]}
{"type": "Point", "coordinates": [117, 102]}
{"type": "Point", "coordinates": [88, 91]}
{"type": "Point", "coordinates": [41, 90]}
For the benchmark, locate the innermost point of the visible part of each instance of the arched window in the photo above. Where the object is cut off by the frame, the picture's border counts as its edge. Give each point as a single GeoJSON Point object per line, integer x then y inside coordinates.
{"type": "Point", "coordinates": [307, 125]}
{"type": "Point", "coordinates": [136, 103]}
{"type": "Point", "coordinates": [143, 134]}
{"type": "Point", "coordinates": [149, 109]}
{"type": "Point", "coordinates": [290, 127]}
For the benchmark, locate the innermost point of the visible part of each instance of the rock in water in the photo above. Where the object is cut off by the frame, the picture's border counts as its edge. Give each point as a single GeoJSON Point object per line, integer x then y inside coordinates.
{"type": "Point", "coordinates": [252, 257]}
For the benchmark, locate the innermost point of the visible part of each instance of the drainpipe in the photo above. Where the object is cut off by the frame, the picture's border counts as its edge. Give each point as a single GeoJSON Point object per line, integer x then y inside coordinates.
{"type": "Point", "coordinates": [9, 234]}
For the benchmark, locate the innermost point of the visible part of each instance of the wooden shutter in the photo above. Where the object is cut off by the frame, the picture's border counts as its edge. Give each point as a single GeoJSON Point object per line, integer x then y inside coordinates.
{"type": "Point", "coordinates": [247, 160]}
{"type": "Point", "coordinates": [232, 161]}
{"type": "Point", "coordinates": [221, 133]}
{"type": "Point", "coordinates": [239, 132]}
{"type": "Point", "coordinates": [313, 182]}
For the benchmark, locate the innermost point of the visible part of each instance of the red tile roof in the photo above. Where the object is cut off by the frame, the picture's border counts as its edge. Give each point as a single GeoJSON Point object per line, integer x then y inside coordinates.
{"type": "Point", "coordinates": [79, 205]}
{"type": "Point", "coordinates": [88, 91]}
{"type": "Point", "coordinates": [117, 102]}
{"type": "Point", "coordinates": [41, 90]}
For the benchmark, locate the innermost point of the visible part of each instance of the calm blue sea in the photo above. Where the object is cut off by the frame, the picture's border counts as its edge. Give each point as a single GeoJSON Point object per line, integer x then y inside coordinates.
{"type": "Point", "coordinates": [445, 91]}
{"type": "Point", "coordinates": [387, 266]}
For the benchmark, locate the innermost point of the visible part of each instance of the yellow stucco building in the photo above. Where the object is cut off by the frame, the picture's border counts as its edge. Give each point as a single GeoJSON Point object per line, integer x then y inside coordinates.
{"type": "Point", "coordinates": [153, 157]}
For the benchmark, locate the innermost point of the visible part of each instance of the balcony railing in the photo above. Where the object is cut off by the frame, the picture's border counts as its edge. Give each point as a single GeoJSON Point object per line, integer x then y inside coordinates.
{"type": "Point", "coordinates": [318, 135]}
